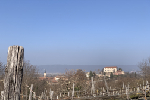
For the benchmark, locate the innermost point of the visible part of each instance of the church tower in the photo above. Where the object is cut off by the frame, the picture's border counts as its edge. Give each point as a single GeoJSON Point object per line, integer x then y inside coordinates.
{"type": "Point", "coordinates": [45, 74]}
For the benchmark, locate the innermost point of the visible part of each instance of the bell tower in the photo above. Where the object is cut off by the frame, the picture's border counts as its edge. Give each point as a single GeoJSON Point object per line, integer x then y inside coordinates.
{"type": "Point", "coordinates": [45, 74]}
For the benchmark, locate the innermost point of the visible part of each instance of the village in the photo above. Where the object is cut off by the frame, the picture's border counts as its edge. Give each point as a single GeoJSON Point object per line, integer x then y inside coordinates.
{"type": "Point", "coordinates": [107, 71]}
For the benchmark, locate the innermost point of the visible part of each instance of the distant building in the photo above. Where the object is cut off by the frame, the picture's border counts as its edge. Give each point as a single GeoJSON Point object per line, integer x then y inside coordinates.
{"type": "Point", "coordinates": [49, 80]}
{"type": "Point", "coordinates": [99, 75]}
{"type": "Point", "coordinates": [57, 78]}
{"type": "Point", "coordinates": [119, 72]}
{"type": "Point", "coordinates": [45, 74]}
{"type": "Point", "coordinates": [87, 74]}
{"type": "Point", "coordinates": [60, 77]}
{"type": "Point", "coordinates": [110, 69]}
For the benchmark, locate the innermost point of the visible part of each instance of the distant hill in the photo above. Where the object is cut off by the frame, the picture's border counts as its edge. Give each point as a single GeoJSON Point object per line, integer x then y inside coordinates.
{"type": "Point", "coordinates": [61, 68]}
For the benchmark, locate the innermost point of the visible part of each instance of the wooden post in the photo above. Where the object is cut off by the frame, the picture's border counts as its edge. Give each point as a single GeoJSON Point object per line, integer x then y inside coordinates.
{"type": "Point", "coordinates": [147, 85]}
{"type": "Point", "coordinates": [121, 91]}
{"type": "Point", "coordinates": [60, 94]}
{"type": "Point", "coordinates": [73, 91]}
{"type": "Point", "coordinates": [30, 96]}
{"type": "Point", "coordinates": [26, 93]}
{"type": "Point", "coordinates": [47, 97]}
{"type": "Point", "coordinates": [13, 73]}
{"type": "Point", "coordinates": [140, 85]}
{"type": "Point", "coordinates": [113, 92]}
{"type": "Point", "coordinates": [51, 94]}
{"type": "Point", "coordinates": [123, 85]}
{"type": "Point", "coordinates": [42, 96]}
{"type": "Point", "coordinates": [39, 98]}
{"type": "Point", "coordinates": [92, 88]}
{"type": "Point", "coordinates": [2, 95]}
{"type": "Point", "coordinates": [68, 94]}
{"type": "Point", "coordinates": [138, 90]}
{"type": "Point", "coordinates": [145, 94]}
{"type": "Point", "coordinates": [34, 96]}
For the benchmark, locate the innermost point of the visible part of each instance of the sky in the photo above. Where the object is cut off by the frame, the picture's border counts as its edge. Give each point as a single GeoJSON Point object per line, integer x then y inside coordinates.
{"type": "Point", "coordinates": [76, 32]}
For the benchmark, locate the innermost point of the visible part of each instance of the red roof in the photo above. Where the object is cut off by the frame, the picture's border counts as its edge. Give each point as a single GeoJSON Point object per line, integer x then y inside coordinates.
{"type": "Point", "coordinates": [49, 79]}
{"type": "Point", "coordinates": [119, 71]}
{"type": "Point", "coordinates": [111, 67]}
{"type": "Point", "coordinates": [59, 76]}
{"type": "Point", "coordinates": [46, 78]}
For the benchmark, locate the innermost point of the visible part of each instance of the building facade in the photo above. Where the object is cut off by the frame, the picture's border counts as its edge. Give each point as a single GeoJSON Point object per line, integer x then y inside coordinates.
{"type": "Point", "coordinates": [110, 69]}
{"type": "Point", "coordinates": [119, 72]}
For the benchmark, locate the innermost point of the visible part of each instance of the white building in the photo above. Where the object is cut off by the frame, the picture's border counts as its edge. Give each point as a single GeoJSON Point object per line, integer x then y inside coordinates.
{"type": "Point", "coordinates": [110, 69]}
{"type": "Point", "coordinates": [45, 74]}
{"type": "Point", "coordinates": [57, 78]}
{"type": "Point", "coordinates": [87, 74]}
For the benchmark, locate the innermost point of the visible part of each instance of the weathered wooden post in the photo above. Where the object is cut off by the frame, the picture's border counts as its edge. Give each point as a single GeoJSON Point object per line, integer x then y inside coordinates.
{"type": "Point", "coordinates": [34, 96]}
{"type": "Point", "coordinates": [138, 89]}
{"type": "Point", "coordinates": [13, 73]}
{"type": "Point", "coordinates": [47, 97]}
{"type": "Point", "coordinates": [2, 95]}
{"type": "Point", "coordinates": [73, 91]}
{"type": "Point", "coordinates": [60, 94]}
{"type": "Point", "coordinates": [147, 85]}
{"type": "Point", "coordinates": [51, 94]}
{"type": "Point", "coordinates": [92, 88]}
{"type": "Point", "coordinates": [140, 85]}
{"type": "Point", "coordinates": [68, 94]}
{"type": "Point", "coordinates": [42, 96]}
{"type": "Point", "coordinates": [30, 96]}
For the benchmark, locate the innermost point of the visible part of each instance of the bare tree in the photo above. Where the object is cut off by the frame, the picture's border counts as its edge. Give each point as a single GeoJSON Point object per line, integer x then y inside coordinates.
{"type": "Point", "coordinates": [1, 76]}
{"type": "Point", "coordinates": [145, 68]}
{"type": "Point", "coordinates": [31, 76]}
{"type": "Point", "coordinates": [77, 77]}
{"type": "Point", "coordinates": [1, 69]}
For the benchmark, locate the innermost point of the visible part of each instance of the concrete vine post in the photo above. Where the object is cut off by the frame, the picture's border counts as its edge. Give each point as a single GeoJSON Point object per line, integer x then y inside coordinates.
{"type": "Point", "coordinates": [13, 73]}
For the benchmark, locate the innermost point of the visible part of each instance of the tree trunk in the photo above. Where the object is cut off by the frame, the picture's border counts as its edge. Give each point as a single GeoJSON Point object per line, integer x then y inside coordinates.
{"type": "Point", "coordinates": [13, 73]}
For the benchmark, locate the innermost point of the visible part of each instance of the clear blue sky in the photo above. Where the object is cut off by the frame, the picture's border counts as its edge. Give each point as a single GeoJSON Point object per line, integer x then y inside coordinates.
{"type": "Point", "coordinates": [77, 32]}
